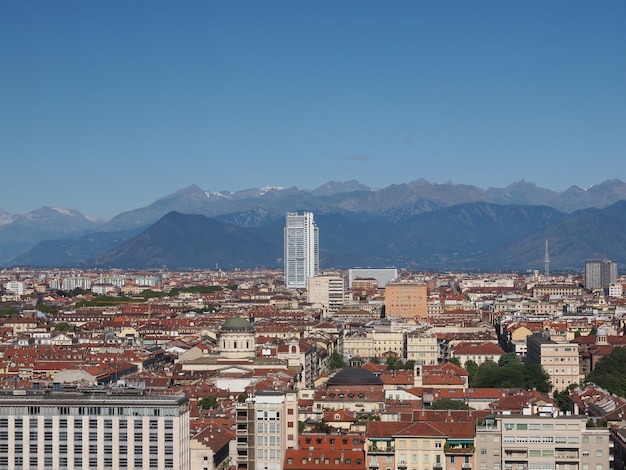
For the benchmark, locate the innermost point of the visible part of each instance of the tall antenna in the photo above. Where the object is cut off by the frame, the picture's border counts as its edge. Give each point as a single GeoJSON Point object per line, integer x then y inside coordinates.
{"type": "Point", "coordinates": [546, 262]}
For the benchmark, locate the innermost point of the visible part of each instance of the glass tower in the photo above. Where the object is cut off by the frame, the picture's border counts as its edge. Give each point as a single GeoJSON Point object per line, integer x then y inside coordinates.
{"type": "Point", "coordinates": [301, 249]}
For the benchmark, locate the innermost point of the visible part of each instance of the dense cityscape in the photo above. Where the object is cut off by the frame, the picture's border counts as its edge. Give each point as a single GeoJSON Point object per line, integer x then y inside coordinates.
{"type": "Point", "coordinates": [308, 367]}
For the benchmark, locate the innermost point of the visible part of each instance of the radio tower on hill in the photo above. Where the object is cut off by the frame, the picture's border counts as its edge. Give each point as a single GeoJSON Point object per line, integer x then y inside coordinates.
{"type": "Point", "coordinates": [546, 262]}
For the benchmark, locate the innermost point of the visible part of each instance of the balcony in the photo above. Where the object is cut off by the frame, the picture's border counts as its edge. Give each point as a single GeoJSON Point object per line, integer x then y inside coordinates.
{"type": "Point", "coordinates": [373, 466]}
{"type": "Point", "coordinates": [467, 466]}
{"type": "Point", "coordinates": [402, 465]}
{"type": "Point", "coordinates": [458, 450]}
{"type": "Point", "coordinates": [521, 453]}
{"type": "Point", "coordinates": [381, 450]}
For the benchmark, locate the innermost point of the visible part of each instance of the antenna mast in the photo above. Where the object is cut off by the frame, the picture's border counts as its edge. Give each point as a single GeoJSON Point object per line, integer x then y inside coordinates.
{"type": "Point", "coordinates": [546, 262]}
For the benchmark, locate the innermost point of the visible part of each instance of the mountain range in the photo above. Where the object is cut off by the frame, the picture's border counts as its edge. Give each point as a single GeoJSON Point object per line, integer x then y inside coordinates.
{"type": "Point", "coordinates": [417, 225]}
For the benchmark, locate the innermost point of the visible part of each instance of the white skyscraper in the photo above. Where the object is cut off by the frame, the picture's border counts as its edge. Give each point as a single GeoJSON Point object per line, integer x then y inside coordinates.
{"type": "Point", "coordinates": [302, 255]}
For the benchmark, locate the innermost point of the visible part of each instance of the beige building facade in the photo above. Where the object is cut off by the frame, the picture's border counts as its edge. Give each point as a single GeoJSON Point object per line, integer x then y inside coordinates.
{"type": "Point", "coordinates": [422, 349]}
{"type": "Point", "coordinates": [406, 300]}
{"type": "Point", "coordinates": [559, 359]}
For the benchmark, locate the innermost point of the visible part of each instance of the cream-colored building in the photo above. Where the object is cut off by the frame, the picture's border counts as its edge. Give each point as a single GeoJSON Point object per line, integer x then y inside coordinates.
{"type": "Point", "coordinates": [406, 299]}
{"type": "Point", "coordinates": [559, 359]}
{"type": "Point", "coordinates": [374, 343]}
{"type": "Point", "coordinates": [423, 349]}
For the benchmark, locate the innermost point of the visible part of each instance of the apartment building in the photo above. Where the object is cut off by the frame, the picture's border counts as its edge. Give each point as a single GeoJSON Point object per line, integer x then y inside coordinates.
{"type": "Point", "coordinates": [600, 273]}
{"type": "Point", "coordinates": [267, 425]}
{"type": "Point", "coordinates": [423, 349]}
{"type": "Point", "coordinates": [541, 442]}
{"type": "Point", "coordinates": [327, 291]}
{"type": "Point", "coordinates": [94, 428]}
{"type": "Point", "coordinates": [558, 358]}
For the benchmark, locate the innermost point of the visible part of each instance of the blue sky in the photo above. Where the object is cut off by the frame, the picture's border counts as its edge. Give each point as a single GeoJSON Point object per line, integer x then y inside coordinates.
{"type": "Point", "coordinates": [107, 106]}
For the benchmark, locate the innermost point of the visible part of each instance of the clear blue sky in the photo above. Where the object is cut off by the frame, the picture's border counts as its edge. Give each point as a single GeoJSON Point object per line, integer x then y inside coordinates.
{"type": "Point", "coordinates": [107, 106]}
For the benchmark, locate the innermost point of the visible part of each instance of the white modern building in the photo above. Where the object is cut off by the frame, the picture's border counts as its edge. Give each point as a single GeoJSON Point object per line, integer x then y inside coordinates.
{"type": "Point", "coordinates": [15, 287]}
{"type": "Point", "coordinates": [327, 291]}
{"type": "Point", "coordinates": [76, 282]}
{"type": "Point", "coordinates": [301, 249]}
{"type": "Point", "coordinates": [93, 428]}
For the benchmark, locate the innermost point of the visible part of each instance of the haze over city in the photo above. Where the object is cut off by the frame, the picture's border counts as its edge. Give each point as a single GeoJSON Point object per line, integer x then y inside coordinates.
{"type": "Point", "coordinates": [106, 107]}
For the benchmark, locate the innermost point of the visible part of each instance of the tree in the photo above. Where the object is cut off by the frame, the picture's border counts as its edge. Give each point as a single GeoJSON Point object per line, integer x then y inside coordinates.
{"type": "Point", "coordinates": [242, 397]}
{"type": "Point", "coordinates": [336, 361]}
{"type": "Point", "coordinates": [207, 403]}
{"type": "Point", "coordinates": [409, 365]}
{"type": "Point", "coordinates": [449, 404]}
{"type": "Point", "coordinates": [562, 399]}
{"type": "Point", "coordinates": [486, 375]}
{"type": "Point", "coordinates": [393, 363]}
{"type": "Point", "coordinates": [63, 326]}
{"type": "Point", "coordinates": [610, 372]}
{"type": "Point", "coordinates": [508, 359]}
{"type": "Point", "coordinates": [472, 369]}
{"type": "Point", "coordinates": [536, 377]}
{"type": "Point", "coordinates": [45, 308]}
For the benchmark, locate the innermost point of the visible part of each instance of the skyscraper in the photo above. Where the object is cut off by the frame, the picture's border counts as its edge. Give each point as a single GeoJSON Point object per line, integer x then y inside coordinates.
{"type": "Point", "coordinates": [600, 273]}
{"type": "Point", "coordinates": [301, 249]}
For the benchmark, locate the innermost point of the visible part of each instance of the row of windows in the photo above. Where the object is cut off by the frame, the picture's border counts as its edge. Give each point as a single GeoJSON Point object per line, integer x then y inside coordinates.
{"type": "Point", "coordinates": [542, 439]}
{"type": "Point", "coordinates": [539, 426]}
{"type": "Point", "coordinates": [19, 410]}
{"type": "Point", "coordinates": [78, 464]}
{"type": "Point", "coordinates": [62, 424]}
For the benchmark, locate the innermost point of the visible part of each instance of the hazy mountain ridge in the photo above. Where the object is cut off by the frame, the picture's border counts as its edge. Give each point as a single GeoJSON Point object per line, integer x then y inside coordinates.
{"type": "Point", "coordinates": [25, 230]}
{"type": "Point", "coordinates": [465, 236]}
{"type": "Point", "coordinates": [432, 224]}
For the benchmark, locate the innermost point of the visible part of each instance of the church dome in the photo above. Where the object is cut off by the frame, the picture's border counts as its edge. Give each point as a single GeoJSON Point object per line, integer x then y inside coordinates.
{"type": "Point", "coordinates": [237, 324]}
{"type": "Point", "coordinates": [354, 376]}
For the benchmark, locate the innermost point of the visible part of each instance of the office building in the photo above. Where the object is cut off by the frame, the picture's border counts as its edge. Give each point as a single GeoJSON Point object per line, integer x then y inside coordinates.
{"type": "Point", "coordinates": [600, 274]}
{"type": "Point", "coordinates": [267, 425]}
{"type": "Point", "coordinates": [301, 255]}
{"type": "Point", "coordinates": [93, 428]}
{"type": "Point", "coordinates": [406, 299]}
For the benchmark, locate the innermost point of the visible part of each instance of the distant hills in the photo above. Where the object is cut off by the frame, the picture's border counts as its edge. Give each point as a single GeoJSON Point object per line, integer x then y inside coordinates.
{"type": "Point", "coordinates": [417, 225]}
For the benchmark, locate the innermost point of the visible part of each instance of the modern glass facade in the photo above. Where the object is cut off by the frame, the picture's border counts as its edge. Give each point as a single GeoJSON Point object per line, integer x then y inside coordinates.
{"type": "Point", "coordinates": [301, 255]}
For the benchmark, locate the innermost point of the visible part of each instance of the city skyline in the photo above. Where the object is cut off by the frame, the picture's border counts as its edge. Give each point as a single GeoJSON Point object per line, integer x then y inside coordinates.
{"type": "Point", "coordinates": [234, 96]}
